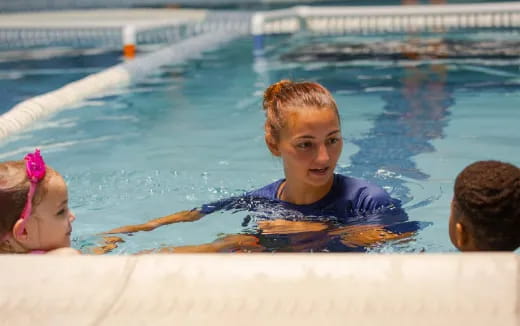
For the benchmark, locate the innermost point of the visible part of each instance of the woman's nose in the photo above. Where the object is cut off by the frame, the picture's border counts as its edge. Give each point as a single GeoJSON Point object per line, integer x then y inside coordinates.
{"type": "Point", "coordinates": [323, 154]}
{"type": "Point", "coordinates": [72, 217]}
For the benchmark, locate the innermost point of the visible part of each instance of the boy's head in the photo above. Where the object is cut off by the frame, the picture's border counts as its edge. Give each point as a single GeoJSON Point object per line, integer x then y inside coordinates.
{"type": "Point", "coordinates": [485, 211]}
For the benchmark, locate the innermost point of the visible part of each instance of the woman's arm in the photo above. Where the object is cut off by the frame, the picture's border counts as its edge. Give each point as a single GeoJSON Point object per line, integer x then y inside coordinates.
{"type": "Point", "coordinates": [229, 243]}
{"type": "Point", "coordinates": [352, 235]}
{"type": "Point", "coordinates": [368, 235]}
{"type": "Point", "coordinates": [184, 216]}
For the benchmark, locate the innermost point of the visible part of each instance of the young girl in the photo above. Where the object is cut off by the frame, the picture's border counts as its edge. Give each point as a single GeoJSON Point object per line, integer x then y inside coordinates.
{"type": "Point", "coordinates": [303, 128]}
{"type": "Point", "coordinates": [35, 214]}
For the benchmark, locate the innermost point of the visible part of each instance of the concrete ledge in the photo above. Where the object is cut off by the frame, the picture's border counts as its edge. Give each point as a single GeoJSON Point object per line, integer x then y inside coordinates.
{"type": "Point", "coordinates": [260, 289]}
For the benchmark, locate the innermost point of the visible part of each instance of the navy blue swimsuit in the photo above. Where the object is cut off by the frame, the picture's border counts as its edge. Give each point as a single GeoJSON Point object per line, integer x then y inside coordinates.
{"type": "Point", "coordinates": [350, 200]}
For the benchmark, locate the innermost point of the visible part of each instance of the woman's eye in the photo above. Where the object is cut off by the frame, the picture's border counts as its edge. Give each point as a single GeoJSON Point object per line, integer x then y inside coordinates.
{"type": "Point", "coordinates": [63, 211]}
{"type": "Point", "coordinates": [333, 140]}
{"type": "Point", "coordinates": [304, 145]}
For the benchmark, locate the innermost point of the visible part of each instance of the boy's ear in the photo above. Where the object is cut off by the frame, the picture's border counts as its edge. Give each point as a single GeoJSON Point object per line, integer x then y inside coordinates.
{"type": "Point", "coordinates": [462, 238]}
{"type": "Point", "coordinates": [272, 145]}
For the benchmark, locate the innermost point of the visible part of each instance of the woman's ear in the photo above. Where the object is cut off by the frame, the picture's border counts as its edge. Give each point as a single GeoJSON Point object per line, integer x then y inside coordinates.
{"type": "Point", "coordinates": [272, 144]}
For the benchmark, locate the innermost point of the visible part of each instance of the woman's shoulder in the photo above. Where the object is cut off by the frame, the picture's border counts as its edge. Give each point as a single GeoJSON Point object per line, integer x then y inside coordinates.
{"type": "Point", "coordinates": [237, 202]}
{"type": "Point", "coordinates": [362, 191]}
{"type": "Point", "coordinates": [269, 191]}
{"type": "Point", "coordinates": [352, 182]}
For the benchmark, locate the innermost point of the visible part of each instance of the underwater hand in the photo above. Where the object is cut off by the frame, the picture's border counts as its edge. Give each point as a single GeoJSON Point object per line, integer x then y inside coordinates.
{"type": "Point", "coordinates": [110, 243]}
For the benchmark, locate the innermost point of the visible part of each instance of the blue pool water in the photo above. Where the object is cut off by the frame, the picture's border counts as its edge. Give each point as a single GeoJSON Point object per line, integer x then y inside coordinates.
{"type": "Point", "coordinates": [193, 133]}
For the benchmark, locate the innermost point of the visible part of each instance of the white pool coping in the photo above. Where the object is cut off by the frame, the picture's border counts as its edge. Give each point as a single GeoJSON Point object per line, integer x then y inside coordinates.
{"type": "Point", "coordinates": [261, 289]}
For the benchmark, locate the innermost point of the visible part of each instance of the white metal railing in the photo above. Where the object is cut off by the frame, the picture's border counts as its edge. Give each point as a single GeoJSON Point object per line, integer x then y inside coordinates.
{"type": "Point", "coordinates": [114, 29]}
{"type": "Point", "coordinates": [32, 5]}
{"type": "Point", "coordinates": [386, 18]}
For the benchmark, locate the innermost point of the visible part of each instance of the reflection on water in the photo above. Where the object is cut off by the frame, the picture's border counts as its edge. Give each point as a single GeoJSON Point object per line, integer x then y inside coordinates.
{"type": "Point", "coordinates": [414, 114]}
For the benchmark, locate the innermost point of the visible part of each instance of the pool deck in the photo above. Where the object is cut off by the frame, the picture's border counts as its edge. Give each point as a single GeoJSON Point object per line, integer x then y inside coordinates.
{"type": "Point", "coordinates": [261, 289]}
{"type": "Point", "coordinates": [103, 18]}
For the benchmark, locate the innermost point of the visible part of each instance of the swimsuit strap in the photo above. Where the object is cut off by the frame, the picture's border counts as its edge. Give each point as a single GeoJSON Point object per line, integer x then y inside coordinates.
{"type": "Point", "coordinates": [281, 189]}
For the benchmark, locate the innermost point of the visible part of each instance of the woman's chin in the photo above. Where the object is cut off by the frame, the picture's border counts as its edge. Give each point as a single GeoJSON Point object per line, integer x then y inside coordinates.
{"type": "Point", "coordinates": [319, 180]}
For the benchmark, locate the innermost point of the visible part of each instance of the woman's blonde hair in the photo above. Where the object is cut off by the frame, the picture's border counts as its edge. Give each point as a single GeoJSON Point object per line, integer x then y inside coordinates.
{"type": "Point", "coordinates": [286, 95]}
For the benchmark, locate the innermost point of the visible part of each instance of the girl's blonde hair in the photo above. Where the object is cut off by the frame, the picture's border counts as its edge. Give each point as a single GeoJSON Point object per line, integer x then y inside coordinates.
{"type": "Point", "coordinates": [14, 186]}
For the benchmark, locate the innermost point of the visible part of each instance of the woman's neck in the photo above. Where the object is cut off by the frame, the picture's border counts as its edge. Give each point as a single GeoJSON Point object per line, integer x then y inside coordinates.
{"type": "Point", "coordinates": [299, 193]}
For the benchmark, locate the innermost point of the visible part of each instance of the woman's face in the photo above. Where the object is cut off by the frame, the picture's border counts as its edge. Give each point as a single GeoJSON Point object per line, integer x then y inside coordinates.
{"type": "Point", "coordinates": [310, 145]}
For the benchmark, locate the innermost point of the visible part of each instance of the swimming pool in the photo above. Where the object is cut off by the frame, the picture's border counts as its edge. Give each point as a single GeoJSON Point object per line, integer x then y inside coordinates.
{"type": "Point", "coordinates": [193, 133]}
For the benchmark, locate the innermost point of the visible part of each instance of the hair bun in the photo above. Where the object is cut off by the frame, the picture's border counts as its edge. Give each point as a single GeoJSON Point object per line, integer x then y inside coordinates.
{"type": "Point", "coordinates": [273, 90]}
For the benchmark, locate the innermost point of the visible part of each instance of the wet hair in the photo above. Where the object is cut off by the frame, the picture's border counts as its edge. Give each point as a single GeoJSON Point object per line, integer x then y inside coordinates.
{"type": "Point", "coordinates": [286, 95]}
{"type": "Point", "coordinates": [487, 194]}
{"type": "Point", "coordinates": [14, 187]}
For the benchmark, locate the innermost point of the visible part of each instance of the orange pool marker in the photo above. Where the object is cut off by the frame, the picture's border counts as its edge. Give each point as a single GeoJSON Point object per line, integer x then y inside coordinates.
{"type": "Point", "coordinates": [129, 41]}
{"type": "Point", "coordinates": [129, 51]}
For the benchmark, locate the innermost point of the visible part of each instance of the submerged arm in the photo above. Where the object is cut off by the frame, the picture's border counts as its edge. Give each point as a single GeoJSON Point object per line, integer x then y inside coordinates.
{"type": "Point", "coordinates": [369, 235]}
{"type": "Point", "coordinates": [183, 216]}
{"type": "Point", "coordinates": [229, 243]}
{"type": "Point", "coordinates": [351, 236]}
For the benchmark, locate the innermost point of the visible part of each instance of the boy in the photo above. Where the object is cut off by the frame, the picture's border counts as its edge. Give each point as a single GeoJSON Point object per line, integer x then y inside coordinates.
{"type": "Point", "coordinates": [485, 210]}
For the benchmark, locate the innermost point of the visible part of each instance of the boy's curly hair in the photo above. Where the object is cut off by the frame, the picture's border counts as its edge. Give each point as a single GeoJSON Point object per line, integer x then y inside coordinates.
{"type": "Point", "coordinates": [487, 194]}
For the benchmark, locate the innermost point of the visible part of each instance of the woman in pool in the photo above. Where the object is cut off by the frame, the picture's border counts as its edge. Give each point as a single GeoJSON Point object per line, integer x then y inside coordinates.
{"type": "Point", "coordinates": [303, 128]}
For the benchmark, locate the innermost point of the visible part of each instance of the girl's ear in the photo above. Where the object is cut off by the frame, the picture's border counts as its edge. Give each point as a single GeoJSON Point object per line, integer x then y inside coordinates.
{"type": "Point", "coordinates": [272, 145]}
{"type": "Point", "coordinates": [20, 231]}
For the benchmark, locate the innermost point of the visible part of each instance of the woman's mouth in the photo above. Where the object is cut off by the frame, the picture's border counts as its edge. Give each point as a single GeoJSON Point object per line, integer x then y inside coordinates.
{"type": "Point", "coordinates": [319, 172]}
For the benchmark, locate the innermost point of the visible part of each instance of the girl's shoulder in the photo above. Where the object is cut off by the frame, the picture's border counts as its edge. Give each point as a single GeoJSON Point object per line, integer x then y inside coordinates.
{"type": "Point", "coordinates": [64, 251]}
